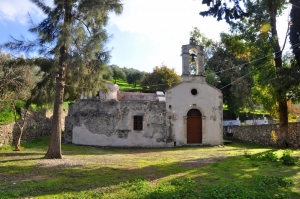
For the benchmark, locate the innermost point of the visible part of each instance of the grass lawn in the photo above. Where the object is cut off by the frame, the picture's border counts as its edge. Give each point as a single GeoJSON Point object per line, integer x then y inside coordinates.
{"type": "Point", "coordinates": [125, 87]}
{"type": "Point", "coordinates": [238, 170]}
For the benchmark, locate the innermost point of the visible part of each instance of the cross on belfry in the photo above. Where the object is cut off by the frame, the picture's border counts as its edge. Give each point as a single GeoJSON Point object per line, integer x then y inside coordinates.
{"type": "Point", "coordinates": [192, 41]}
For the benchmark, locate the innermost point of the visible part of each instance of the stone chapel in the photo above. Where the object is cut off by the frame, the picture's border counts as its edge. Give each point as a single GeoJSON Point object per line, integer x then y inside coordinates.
{"type": "Point", "coordinates": [187, 114]}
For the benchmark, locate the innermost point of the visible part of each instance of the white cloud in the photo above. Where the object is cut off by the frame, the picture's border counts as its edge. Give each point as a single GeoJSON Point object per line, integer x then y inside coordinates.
{"type": "Point", "coordinates": [165, 19]}
{"type": "Point", "coordinates": [166, 25]}
{"type": "Point", "coordinates": [17, 10]}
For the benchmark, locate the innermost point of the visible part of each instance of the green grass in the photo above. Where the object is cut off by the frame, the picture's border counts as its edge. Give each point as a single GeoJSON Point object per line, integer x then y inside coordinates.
{"type": "Point", "coordinates": [125, 87]}
{"type": "Point", "coordinates": [7, 112]}
{"type": "Point", "coordinates": [7, 116]}
{"type": "Point", "coordinates": [238, 170]}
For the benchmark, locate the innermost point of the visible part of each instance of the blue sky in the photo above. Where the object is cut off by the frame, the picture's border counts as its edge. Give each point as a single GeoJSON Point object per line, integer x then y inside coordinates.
{"type": "Point", "coordinates": [147, 33]}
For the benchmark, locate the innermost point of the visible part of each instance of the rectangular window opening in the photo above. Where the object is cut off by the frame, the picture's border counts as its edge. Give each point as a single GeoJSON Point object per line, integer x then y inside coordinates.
{"type": "Point", "coordinates": [138, 123]}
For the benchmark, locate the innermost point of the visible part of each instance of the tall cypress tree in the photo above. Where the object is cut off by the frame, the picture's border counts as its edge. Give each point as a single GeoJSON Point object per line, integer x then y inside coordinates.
{"type": "Point", "coordinates": [73, 36]}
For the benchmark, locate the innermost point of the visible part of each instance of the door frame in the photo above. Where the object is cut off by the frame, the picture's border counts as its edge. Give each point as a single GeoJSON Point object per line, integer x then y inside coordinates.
{"type": "Point", "coordinates": [194, 112]}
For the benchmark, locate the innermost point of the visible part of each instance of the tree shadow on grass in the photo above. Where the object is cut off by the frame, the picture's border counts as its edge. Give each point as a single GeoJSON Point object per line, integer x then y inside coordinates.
{"type": "Point", "coordinates": [75, 175]}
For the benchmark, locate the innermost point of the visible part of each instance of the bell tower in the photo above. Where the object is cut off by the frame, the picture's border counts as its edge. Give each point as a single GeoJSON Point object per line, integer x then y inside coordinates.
{"type": "Point", "coordinates": [192, 53]}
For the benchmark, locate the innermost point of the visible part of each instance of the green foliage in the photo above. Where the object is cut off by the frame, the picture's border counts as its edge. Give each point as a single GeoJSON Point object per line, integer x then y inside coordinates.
{"type": "Point", "coordinates": [17, 77]}
{"type": "Point", "coordinates": [229, 191]}
{"type": "Point", "coordinates": [161, 79]}
{"type": "Point", "coordinates": [211, 77]}
{"type": "Point", "coordinates": [231, 76]}
{"type": "Point", "coordinates": [6, 148]}
{"type": "Point", "coordinates": [254, 38]}
{"type": "Point", "coordinates": [71, 40]}
{"type": "Point", "coordinates": [125, 87]}
{"type": "Point", "coordinates": [133, 76]}
{"type": "Point", "coordinates": [7, 111]}
{"type": "Point", "coordinates": [237, 190]}
{"type": "Point", "coordinates": [200, 39]}
{"type": "Point", "coordinates": [288, 159]}
{"type": "Point", "coordinates": [66, 104]}
{"type": "Point", "coordinates": [7, 116]}
{"type": "Point", "coordinates": [273, 181]}
{"type": "Point", "coordinates": [117, 73]}
{"type": "Point", "coordinates": [268, 156]}
{"type": "Point", "coordinates": [224, 10]}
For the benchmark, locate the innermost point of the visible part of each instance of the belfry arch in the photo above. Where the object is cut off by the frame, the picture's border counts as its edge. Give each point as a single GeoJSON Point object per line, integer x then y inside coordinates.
{"type": "Point", "coordinates": [198, 55]}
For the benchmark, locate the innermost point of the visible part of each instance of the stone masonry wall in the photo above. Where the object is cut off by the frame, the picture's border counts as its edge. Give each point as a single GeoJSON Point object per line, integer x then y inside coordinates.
{"type": "Point", "coordinates": [110, 123]}
{"type": "Point", "coordinates": [266, 134]}
{"type": "Point", "coordinates": [36, 125]}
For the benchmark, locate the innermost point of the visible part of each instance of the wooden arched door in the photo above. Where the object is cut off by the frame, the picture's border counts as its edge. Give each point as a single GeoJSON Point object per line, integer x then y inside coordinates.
{"type": "Point", "coordinates": [194, 126]}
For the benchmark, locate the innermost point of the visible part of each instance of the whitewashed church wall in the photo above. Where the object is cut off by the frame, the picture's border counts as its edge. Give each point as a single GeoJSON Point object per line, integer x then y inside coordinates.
{"type": "Point", "coordinates": [110, 123]}
{"type": "Point", "coordinates": [179, 100]}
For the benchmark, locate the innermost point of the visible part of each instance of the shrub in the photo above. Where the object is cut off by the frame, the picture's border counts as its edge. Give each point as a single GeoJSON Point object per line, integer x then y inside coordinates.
{"type": "Point", "coordinates": [269, 156]}
{"type": "Point", "coordinates": [264, 181]}
{"type": "Point", "coordinates": [287, 158]}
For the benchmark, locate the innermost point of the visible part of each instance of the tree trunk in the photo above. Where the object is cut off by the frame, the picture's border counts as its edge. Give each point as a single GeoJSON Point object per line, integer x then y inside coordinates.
{"type": "Point", "coordinates": [18, 143]}
{"type": "Point", "coordinates": [54, 150]}
{"type": "Point", "coordinates": [283, 125]}
{"type": "Point", "coordinates": [21, 127]}
{"type": "Point", "coordinates": [281, 98]}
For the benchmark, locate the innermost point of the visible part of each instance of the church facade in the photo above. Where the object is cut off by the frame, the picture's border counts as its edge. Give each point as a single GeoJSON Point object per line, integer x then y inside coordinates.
{"type": "Point", "coordinates": [186, 114]}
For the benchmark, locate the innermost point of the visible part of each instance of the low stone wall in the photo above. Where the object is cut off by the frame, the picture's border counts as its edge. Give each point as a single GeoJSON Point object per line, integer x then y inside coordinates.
{"type": "Point", "coordinates": [266, 134]}
{"type": "Point", "coordinates": [37, 125]}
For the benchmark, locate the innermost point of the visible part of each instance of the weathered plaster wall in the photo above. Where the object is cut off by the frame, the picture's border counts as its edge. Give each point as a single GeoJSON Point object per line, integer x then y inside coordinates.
{"type": "Point", "coordinates": [37, 125]}
{"type": "Point", "coordinates": [179, 101]}
{"type": "Point", "coordinates": [266, 134]}
{"type": "Point", "coordinates": [110, 123]}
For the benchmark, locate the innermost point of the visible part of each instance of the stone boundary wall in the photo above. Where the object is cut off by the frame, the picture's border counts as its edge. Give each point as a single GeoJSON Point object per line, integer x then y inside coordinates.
{"type": "Point", "coordinates": [266, 134]}
{"type": "Point", "coordinates": [36, 125]}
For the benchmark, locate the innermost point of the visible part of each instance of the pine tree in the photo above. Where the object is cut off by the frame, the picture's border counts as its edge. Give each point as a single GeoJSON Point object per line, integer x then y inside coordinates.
{"type": "Point", "coordinates": [73, 37]}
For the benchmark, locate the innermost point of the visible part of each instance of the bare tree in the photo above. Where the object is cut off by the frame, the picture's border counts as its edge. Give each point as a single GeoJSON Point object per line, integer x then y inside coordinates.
{"type": "Point", "coordinates": [16, 80]}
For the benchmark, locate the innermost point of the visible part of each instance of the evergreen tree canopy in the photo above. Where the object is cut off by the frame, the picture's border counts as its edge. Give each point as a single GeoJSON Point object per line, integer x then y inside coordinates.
{"type": "Point", "coordinates": [227, 10]}
{"type": "Point", "coordinates": [73, 37]}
